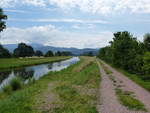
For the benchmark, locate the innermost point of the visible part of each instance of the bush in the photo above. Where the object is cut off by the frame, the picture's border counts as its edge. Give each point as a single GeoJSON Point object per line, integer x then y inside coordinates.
{"type": "Point", "coordinates": [16, 83]}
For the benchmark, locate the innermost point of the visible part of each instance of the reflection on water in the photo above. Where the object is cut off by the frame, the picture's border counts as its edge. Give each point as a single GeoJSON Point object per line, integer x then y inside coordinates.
{"type": "Point", "coordinates": [36, 71]}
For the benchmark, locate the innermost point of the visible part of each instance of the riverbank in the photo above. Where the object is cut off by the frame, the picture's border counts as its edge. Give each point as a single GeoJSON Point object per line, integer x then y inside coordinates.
{"type": "Point", "coordinates": [73, 89]}
{"type": "Point", "coordinates": [21, 62]}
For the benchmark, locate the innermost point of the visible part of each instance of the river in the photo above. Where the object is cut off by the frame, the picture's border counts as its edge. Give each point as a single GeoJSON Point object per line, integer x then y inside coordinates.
{"type": "Point", "coordinates": [35, 71]}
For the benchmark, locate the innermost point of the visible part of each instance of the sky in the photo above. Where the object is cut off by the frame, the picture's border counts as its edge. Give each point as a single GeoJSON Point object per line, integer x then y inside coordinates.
{"type": "Point", "coordinates": [73, 23]}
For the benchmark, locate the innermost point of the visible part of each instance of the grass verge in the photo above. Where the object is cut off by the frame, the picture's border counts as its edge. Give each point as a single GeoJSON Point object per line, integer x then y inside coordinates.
{"type": "Point", "coordinates": [129, 101]}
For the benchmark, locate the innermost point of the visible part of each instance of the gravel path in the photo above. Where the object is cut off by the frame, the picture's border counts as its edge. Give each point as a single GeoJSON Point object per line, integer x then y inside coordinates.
{"type": "Point", "coordinates": [109, 102]}
{"type": "Point", "coordinates": [140, 93]}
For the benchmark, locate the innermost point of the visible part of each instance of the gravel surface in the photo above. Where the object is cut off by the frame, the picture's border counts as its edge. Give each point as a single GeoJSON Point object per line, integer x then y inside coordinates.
{"type": "Point", "coordinates": [108, 101]}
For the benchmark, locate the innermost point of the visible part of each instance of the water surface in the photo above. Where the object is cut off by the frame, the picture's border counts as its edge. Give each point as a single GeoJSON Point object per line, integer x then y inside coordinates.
{"type": "Point", "coordinates": [35, 71]}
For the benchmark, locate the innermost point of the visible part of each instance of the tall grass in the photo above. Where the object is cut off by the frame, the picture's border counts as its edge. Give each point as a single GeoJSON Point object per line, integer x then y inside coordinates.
{"type": "Point", "coordinates": [15, 84]}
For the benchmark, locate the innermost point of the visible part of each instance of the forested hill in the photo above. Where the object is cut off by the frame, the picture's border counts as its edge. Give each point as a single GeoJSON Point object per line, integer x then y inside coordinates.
{"type": "Point", "coordinates": [44, 49]}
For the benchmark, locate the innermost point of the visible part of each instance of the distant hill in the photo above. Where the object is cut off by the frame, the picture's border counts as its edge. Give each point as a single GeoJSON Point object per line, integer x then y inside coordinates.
{"type": "Point", "coordinates": [44, 49]}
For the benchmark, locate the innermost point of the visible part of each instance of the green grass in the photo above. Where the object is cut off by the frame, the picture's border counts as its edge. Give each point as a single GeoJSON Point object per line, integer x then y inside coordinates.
{"type": "Point", "coordinates": [73, 90]}
{"type": "Point", "coordinates": [19, 62]}
{"type": "Point", "coordinates": [129, 101]}
{"type": "Point", "coordinates": [70, 87]}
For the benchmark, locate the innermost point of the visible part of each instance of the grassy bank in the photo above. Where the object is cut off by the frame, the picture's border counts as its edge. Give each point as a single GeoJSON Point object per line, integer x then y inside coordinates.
{"type": "Point", "coordinates": [72, 90]}
{"type": "Point", "coordinates": [19, 62]}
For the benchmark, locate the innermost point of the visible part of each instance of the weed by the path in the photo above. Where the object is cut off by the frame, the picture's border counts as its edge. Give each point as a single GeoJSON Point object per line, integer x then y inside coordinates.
{"type": "Point", "coordinates": [129, 101]}
{"type": "Point", "coordinates": [15, 84]}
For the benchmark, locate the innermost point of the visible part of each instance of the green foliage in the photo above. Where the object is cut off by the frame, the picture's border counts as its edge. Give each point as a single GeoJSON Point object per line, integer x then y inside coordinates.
{"type": "Point", "coordinates": [147, 41]}
{"type": "Point", "coordinates": [4, 53]}
{"type": "Point", "coordinates": [2, 18]}
{"type": "Point", "coordinates": [49, 54]}
{"type": "Point", "coordinates": [63, 53]}
{"type": "Point", "coordinates": [38, 53]}
{"type": "Point", "coordinates": [146, 66]}
{"type": "Point", "coordinates": [23, 50]}
{"type": "Point", "coordinates": [90, 53]}
{"type": "Point", "coordinates": [125, 52]}
{"type": "Point", "coordinates": [16, 83]}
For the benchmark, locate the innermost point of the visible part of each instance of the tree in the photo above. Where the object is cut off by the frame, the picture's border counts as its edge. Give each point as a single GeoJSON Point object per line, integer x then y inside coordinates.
{"type": "Point", "coordinates": [146, 66]}
{"type": "Point", "coordinates": [4, 53]}
{"type": "Point", "coordinates": [124, 52]}
{"type": "Point", "coordinates": [38, 53]}
{"type": "Point", "coordinates": [63, 53]}
{"type": "Point", "coordinates": [147, 41]}
{"type": "Point", "coordinates": [23, 50]}
{"type": "Point", "coordinates": [66, 53]}
{"type": "Point", "coordinates": [90, 53]}
{"type": "Point", "coordinates": [58, 53]}
{"type": "Point", "coordinates": [49, 54]}
{"type": "Point", "coordinates": [2, 18]}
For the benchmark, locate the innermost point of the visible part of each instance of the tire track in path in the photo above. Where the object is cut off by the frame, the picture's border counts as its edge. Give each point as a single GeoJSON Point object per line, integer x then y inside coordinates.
{"type": "Point", "coordinates": [108, 101]}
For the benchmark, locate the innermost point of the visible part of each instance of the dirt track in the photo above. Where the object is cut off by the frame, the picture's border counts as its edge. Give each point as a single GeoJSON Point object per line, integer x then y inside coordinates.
{"type": "Point", "coordinates": [109, 102]}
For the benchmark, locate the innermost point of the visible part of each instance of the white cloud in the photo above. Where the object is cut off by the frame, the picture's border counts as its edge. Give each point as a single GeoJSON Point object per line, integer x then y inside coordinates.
{"type": "Point", "coordinates": [49, 35]}
{"type": "Point", "coordinates": [84, 26]}
{"type": "Point", "coordinates": [13, 3]}
{"type": "Point", "coordinates": [34, 2]}
{"type": "Point", "coordinates": [91, 6]}
{"type": "Point", "coordinates": [16, 11]}
{"type": "Point", "coordinates": [65, 20]}
{"type": "Point", "coordinates": [105, 6]}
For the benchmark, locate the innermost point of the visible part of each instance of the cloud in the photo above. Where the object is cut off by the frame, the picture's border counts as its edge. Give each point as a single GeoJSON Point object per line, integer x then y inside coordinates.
{"type": "Point", "coordinates": [84, 26]}
{"type": "Point", "coordinates": [105, 6]}
{"type": "Point", "coordinates": [16, 11]}
{"type": "Point", "coordinates": [65, 20]}
{"type": "Point", "coordinates": [50, 35]}
{"type": "Point", "coordinates": [91, 6]}
{"type": "Point", "coordinates": [13, 3]}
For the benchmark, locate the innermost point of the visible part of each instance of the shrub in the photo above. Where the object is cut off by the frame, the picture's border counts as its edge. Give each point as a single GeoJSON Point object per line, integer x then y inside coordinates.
{"type": "Point", "coordinates": [16, 83]}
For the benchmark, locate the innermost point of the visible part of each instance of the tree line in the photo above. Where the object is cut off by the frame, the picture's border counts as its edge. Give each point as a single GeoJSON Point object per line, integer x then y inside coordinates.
{"type": "Point", "coordinates": [127, 53]}
{"type": "Point", "coordinates": [24, 50]}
